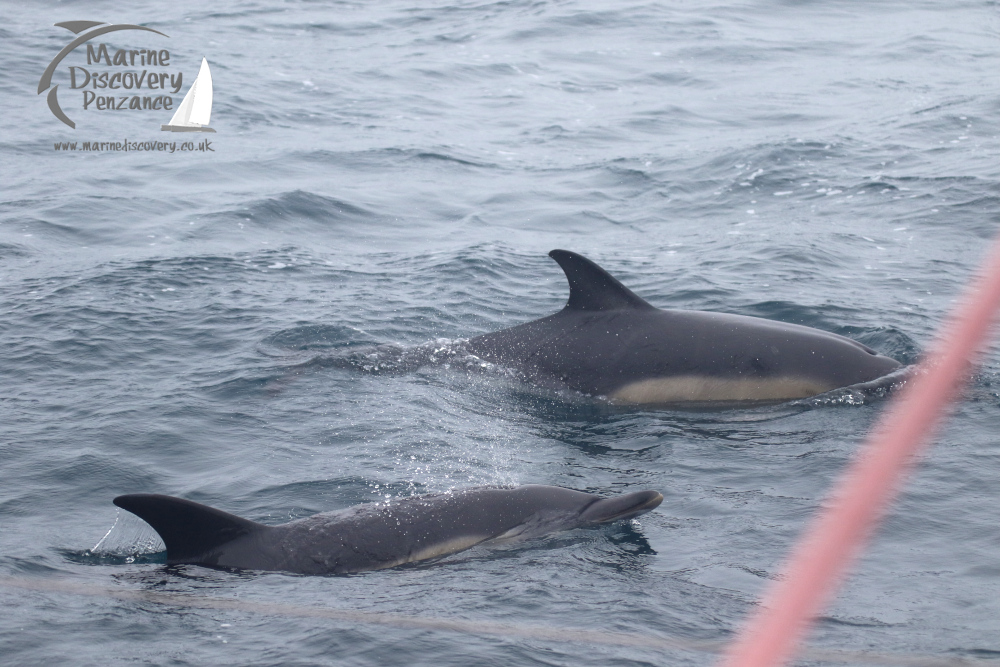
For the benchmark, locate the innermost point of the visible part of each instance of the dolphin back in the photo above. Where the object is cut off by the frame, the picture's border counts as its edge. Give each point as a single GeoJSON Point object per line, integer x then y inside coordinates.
{"type": "Point", "coordinates": [189, 530]}
{"type": "Point", "coordinates": [377, 535]}
{"type": "Point", "coordinates": [609, 342]}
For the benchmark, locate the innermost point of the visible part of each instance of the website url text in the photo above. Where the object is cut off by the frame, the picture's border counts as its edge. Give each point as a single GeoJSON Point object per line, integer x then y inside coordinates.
{"type": "Point", "coordinates": [156, 146]}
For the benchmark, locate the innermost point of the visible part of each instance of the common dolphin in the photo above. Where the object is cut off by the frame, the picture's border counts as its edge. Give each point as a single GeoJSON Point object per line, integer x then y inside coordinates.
{"type": "Point", "coordinates": [378, 535]}
{"type": "Point", "coordinates": [609, 342]}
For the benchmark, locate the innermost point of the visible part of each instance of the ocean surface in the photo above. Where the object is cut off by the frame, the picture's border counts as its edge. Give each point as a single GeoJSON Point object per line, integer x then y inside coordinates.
{"type": "Point", "coordinates": [272, 325]}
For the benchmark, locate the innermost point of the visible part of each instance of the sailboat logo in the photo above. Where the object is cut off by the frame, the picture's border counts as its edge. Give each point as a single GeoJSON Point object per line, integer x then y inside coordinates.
{"type": "Point", "coordinates": [196, 109]}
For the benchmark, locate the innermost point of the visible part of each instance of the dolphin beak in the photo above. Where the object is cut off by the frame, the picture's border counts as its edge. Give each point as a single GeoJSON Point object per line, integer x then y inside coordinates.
{"type": "Point", "coordinates": [621, 507]}
{"type": "Point", "coordinates": [652, 502]}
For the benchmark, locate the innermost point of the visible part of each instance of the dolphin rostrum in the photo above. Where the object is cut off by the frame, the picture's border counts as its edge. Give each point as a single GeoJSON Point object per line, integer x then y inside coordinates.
{"type": "Point", "coordinates": [378, 535]}
{"type": "Point", "coordinates": [609, 342]}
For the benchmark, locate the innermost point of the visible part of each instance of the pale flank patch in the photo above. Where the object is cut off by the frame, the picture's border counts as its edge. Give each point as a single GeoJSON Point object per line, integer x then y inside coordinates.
{"type": "Point", "coordinates": [512, 535]}
{"type": "Point", "coordinates": [685, 388]}
{"type": "Point", "coordinates": [454, 545]}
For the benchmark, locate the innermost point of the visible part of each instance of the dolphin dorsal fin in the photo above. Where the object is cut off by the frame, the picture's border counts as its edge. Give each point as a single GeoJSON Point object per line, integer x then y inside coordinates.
{"type": "Point", "coordinates": [188, 529]}
{"type": "Point", "coordinates": [593, 288]}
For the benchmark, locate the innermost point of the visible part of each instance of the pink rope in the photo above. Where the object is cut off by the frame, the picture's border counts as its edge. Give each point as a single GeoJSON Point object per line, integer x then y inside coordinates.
{"type": "Point", "coordinates": [836, 535]}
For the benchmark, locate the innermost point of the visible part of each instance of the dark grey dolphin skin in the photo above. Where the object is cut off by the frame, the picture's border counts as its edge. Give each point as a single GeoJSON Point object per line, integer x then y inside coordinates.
{"type": "Point", "coordinates": [376, 536]}
{"type": "Point", "coordinates": [609, 342]}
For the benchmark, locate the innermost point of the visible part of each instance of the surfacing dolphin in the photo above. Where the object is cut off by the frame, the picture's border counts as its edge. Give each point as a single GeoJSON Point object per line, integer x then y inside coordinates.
{"type": "Point", "coordinates": [378, 535]}
{"type": "Point", "coordinates": [609, 342]}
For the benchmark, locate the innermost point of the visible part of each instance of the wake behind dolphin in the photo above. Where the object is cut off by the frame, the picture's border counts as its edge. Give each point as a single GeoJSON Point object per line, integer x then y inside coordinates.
{"type": "Point", "coordinates": [609, 342]}
{"type": "Point", "coordinates": [376, 536]}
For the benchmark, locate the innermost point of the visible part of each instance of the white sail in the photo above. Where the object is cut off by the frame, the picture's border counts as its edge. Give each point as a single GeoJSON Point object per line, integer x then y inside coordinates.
{"type": "Point", "coordinates": [183, 112]}
{"type": "Point", "coordinates": [201, 109]}
{"type": "Point", "coordinates": [195, 109]}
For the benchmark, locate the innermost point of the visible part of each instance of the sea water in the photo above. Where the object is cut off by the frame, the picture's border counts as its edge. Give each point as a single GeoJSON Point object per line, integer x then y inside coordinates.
{"type": "Point", "coordinates": [270, 321]}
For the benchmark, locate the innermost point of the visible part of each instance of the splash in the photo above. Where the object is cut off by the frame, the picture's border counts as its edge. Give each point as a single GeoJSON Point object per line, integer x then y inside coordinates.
{"type": "Point", "coordinates": [863, 393]}
{"type": "Point", "coordinates": [129, 540]}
